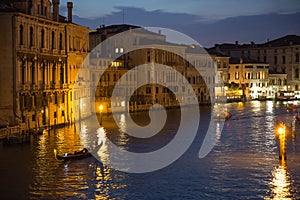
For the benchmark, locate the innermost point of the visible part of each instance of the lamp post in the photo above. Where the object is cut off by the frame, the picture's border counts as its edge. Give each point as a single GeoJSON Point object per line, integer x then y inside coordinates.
{"type": "Point", "coordinates": [281, 131]}
{"type": "Point", "coordinates": [101, 108]}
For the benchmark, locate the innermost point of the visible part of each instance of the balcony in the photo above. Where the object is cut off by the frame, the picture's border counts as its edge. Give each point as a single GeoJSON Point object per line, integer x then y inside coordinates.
{"type": "Point", "coordinates": [24, 87]}
{"type": "Point", "coordinates": [45, 87]}
{"type": "Point", "coordinates": [64, 86]}
{"type": "Point", "coordinates": [34, 87]}
{"type": "Point", "coordinates": [44, 50]}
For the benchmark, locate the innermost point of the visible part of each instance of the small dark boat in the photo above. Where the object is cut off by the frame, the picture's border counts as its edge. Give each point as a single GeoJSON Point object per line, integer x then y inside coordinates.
{"type": "Point", "coordinates": [84, 153]}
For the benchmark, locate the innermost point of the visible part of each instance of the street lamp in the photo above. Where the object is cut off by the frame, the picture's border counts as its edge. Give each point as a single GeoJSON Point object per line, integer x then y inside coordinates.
{"type": "Point", "coordinates": [281, 131]}
{"type": "Point", "coordinates": [101, 108]}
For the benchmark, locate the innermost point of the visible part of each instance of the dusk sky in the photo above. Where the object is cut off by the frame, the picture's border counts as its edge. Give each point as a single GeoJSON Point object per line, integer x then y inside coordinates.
{"type": "Point", "coordinates": [208, 22]}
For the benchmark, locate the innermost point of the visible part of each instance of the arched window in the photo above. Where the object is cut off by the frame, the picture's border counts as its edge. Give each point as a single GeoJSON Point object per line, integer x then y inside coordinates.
{"type": "Point", "coordinates": [31, 36]}
{"type": "Point", "coordinates": [21, 35]}
{"type": "Point", "coordinates": [42, 38]}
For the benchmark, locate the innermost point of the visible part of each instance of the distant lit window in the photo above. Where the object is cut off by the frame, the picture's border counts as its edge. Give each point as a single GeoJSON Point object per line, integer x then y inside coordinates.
{"type": "Point", "coordinates": [121, 50]}
{"type": "Point", "coordinates": [117, 50]}
{"type": "Point", "coordinates": [236, 75]}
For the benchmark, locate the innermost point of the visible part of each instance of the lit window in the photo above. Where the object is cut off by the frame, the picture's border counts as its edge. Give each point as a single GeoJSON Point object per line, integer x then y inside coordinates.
{"type": "Point", "coordinates": [236, 75]}
{"type": "Point", "coordinates": [121, 50]}
{"type": "Point", "coordinates": [117, 50]}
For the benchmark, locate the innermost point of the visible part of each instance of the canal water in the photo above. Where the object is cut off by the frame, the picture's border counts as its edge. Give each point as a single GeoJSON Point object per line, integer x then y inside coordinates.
{"type": "Point", "coordinates": [243, 164]}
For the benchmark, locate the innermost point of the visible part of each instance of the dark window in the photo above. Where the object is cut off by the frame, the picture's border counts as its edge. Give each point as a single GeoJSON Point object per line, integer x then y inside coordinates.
{"type": "Point", "coordinates": [55, 115]}
{"type": "Point", "coordinates": [21, 35]}
{"type": "Point", "coordinates": [60, 42]}
{"type": "Point", "coordinates": [53, 40]}
{"type": "Point", "coordinates": [33, 118]}
{"type": "Point", "coordinates": [62, 75]}
{"type": "Point", "coordinates": [297, 73]}
{"type": "Point", "coordinates": [33, 72]}
{"type": "Point", "coordinates": [31, 37]}
{"type": "Point", "coordinates": [283, 59]}
{"type": "Point", "coordinates": [42, 38]}
{"type": "Point", "coordinates": [275, 60]}
{"type": "Point", "coordinates": [55, 99]}
{"type": "Point", "coordinates": [23, 72]}
{"type": "Point", "coordinates": [297, 57]}
{"type": "Point", "coordinates": [148, 56]}
{"type": "Point", "coordinates": [156, 90]}
{"type": "Point", "coordinates": [63, 113]}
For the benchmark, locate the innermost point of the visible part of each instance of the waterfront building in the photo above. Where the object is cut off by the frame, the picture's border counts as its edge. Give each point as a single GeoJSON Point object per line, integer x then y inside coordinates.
{"type": "Point", "coordinates": [153, 49]}
{"type": "Point", "coordinates": [41, 52]}
{"type": "Point", "coordinates": [282, 54]}
{"type": "Point", "coordinates": [248, 78]}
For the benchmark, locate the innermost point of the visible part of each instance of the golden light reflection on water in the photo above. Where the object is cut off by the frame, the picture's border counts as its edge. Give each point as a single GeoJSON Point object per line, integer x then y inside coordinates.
{"type": "Point", "coordinates": [280, 184]}
{"type": "Point", "coordinates": [255, 105]}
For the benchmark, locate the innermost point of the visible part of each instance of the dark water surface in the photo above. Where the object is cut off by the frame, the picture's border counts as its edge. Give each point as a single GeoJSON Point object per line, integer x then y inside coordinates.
{"type": "Point", "coordinates": [244, 163]}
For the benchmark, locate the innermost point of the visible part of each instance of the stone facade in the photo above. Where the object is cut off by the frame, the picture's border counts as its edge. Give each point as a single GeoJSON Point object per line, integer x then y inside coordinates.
{"type": "Point", "coordinates": [283, 55]}
{"type": "Point", "coordinates": [152, 49]}
{"type": "Point", "coordinates": [40, 54]}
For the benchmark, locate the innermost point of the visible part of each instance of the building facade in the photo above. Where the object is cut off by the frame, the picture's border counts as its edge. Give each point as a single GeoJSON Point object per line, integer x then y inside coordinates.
{"type": "Point", "coordinates": [250, 78]}
{"type": "Point", "coordinates": [152, 49]}
{"type": "Point", "coordinates": [282, 54]}
{"type": "Point", "coordinates": [41, 52]}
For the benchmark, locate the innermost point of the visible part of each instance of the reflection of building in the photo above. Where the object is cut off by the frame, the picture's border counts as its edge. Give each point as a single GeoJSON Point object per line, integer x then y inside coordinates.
{"type": "Point", "coordinates": [250, 77]}
{"type": "Point", "coordinates": [152, 49]}
{"type": "Point", "coordinates": [40, 54]}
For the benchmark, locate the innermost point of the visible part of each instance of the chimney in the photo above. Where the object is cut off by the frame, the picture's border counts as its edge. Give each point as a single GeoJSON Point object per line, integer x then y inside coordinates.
{"type": "Point", "coordinates": [56, 9]}
{"type": "Point", "coordinates": [236, 42]}
{"type": "Point", "coordinates": [70, 7]}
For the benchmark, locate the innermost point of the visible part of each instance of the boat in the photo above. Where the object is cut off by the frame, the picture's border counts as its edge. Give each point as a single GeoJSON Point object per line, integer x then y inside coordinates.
{"type": "Point", "coordinates": [39, 131]}
{"type": "Point", "coordinates": [84, 153]}
{"type": "Point", "coordinates": [227, 116]}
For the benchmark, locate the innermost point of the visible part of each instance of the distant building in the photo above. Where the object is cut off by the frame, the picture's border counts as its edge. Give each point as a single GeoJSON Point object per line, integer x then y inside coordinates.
{"type": "Point", "coordinates": [153, 49]}
{"type": "Point", "coordinates": [250, 77]}
{"type": "Point", "coordinates": [283, 55]}
{"type": "Point", "coordinates": [41, 52]}
{"type": "Point", "coordinates": [222, 63]}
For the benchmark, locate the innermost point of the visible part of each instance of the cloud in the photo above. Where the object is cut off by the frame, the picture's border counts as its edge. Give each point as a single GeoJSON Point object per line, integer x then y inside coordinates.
{"type": "Point", "coordinates": [256, 28]}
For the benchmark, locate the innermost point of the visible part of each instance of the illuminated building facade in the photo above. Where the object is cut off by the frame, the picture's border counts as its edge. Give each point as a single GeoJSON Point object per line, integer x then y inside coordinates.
{"type": "Point", "coordinates": [153, 49]}
{"type": "Point", "coordinates": [40, 54]}
{"type": "Point", "coordinates": [250, 78]}
{"type": "Point", "coordinates": [282, 54]}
